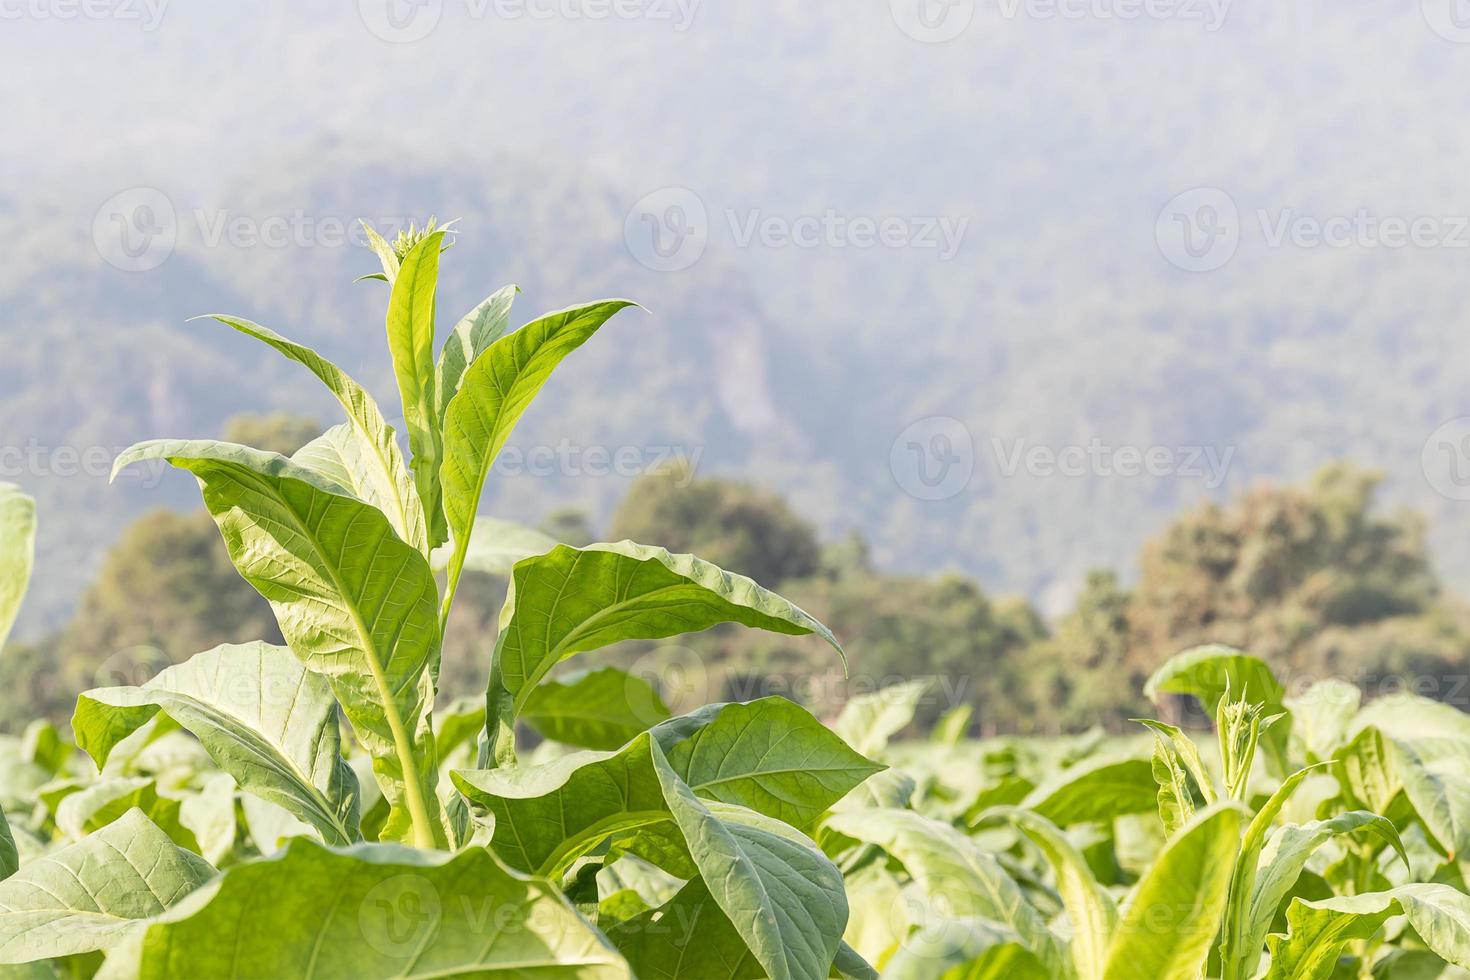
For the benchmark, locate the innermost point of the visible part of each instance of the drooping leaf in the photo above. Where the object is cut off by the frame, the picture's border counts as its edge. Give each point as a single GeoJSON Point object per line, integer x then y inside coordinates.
{"type": "Point", "coordinates": [1286, 858]}
{"type": "Point", "coordinates": [600, 709]}
{"type": "Point", "coordinates": [495, 391]}
{"type": "Point", "coordinates": [363, 451]}
{"type": "Point", "coordinates": [1095, 790]}
{"type": "Point", "coordinates": [1320, 930]}
{"type": "Point", "coordinates": [1175, 909]}
{"type": "Point", "coordinates": [17, 553]}
{"type": "Point", "coordinates": [376, 910]}
{"type": "Point", "coordinates": [770, 756]}
{"type": "Point", "coordinates": [92, 894]}
{"type": "Point", "coordinates": [471, 337]}
{"type": "Point", "coordinates": [411, 342]}
{"type": "Point", "coordinates": [962, 880]}
{"type": "Point", "coordinates": [1432, 771]}
{"type": "Point", "coordinates": [354, 602]}
{"type": "Point", "coordinates": [259, 713]}
{"type": "Point", "coordinates": [868, 721]}
{"type": "Point", "coordinates": [572, 600]}
{"type": "Point", "coordinates": [1092, 912]}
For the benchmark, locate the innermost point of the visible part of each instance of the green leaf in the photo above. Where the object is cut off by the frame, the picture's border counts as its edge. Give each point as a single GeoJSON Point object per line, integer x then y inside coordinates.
{"type": "Point", "coordinates": [770, 755]}
{"type": "Point", "coordinates": [496, 390]}
{"type": "Point", "coordinates": [354, 602]}
{"type": "Point", "coordinates": [601, 709]}
{"type": "Point", "coordinates": [572, 600]}
{"type": "Point", "coordinates": [1090, 908]}
{"type": "Point", "coordinates": [953, 725]}
{"type": "Point", "coordinates": [1095, 790]}
{"type": "Point", "coordinates": [90, 895]}
{"type": "Point", "coordinates": [689, 938]}
{"type": "Point", "coordinates": [384, 251]}
{"type": "Point", "coordinates": [471, 337]}
{"type": "Point", "coordinates": [17, 553]}
{"type": "Point", "coordinates": [363, 456]}
{"type": "Point", "coordinates": [259, 713]}
{"type": "Point", "coordinates": [1236, 949]}
{"type": "Point", "coordinates": [411, 342]}
{"type": "Point", "coordinates": [780, 892]}
{"type": "Point", "coordinates": [1432, 771]}
{"type": "Point", "coordinates": [1289, 850]}
{"type": "Point", "coordinates": [957, 876]}
{"type": "Point", "coordinates": [1440, 915]}
{"type": "Point", "coordinates": [376, 910]}
{"type": "Point", "coordinates": [868, 721]}
{"type": "Point", "coordinates": [1174, 911]}
{"type": "Point", "coordinates": [1321, 715]}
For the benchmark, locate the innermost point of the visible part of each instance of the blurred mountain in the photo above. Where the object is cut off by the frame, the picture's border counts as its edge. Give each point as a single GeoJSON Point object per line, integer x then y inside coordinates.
{"type": "Point", "coordinates": [1050, 146]}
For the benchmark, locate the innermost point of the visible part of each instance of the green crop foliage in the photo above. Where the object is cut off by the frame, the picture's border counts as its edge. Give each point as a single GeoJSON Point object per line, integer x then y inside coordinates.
{"type": "Point", "coordinates": [317, 810]}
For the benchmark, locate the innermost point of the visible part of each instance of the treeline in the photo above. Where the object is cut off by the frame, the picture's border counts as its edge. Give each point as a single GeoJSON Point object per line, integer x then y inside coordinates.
{"type": "Point", "coordinates": [1312, 577]}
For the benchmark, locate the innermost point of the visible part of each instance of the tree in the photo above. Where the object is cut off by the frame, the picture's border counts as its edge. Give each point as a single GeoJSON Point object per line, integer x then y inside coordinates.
{"type": "Point", "coordinates": [735, 525]}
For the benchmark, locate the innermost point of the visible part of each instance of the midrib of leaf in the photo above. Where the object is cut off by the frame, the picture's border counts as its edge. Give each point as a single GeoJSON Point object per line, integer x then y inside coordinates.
{"type": "Point", "coordinates": [581, 630]}
{"type": "Point", "coordinates": [403, 746]}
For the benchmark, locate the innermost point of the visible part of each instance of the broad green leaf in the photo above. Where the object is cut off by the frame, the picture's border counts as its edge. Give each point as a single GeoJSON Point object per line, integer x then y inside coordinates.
{"type": "Point", "coordinates": [1365, 769]}
{"type": "Point", "coordinates": [210, 816]}
{"type": "Point", "coordinates": [770, 756]}
{"type": "Point", "coordinates": [259, 713]}
{"type": "Point", "coordinates": [1095, 790]}
{"type": "Point", "coordinates": [849, 964]}
{"type": "Point", "coordinates": [1283, 862]}
{"type": "Point", "coordinates": [572, 600]}
{"type": "Point", "coordinates": [364, 451]}
{"type": "Point", "coordinates": [868, 721]}
{"type": "Point", "coordinates": [1440, 915]}
{"type": "Point", "coordinates": [354, 602]}
{"type": "Point", "coordinates": [965, 949]}
{"type": "Point", "coordinates": [780, 892]}
{"type": "Point", "coordinates": [17, 553]}
{"type": "Point", "coordinates": [1405, 716]}
{"type": "Point", "coordinates": [959, 878]}
{"type": "Point", "coordinates": [376, 910]}
{"type": "Point", "coordinates": [1174, 911]}
{"type": "Point", "coordinates": [91, 894]}
{"type": "Point", "coordinates": [890, 788]}
{"type": "Point", "coordinates": [411, 342]}
{"type": "Point", "coordinates": [1090, 908]}
{"type": "Point", "coordinates": [689, 938]}
{"type": "Point", "coordinates": [471, 337]}
{"type": "Point", "coordinates": [1208, 672]}
{"type": "Point", "coordinates": [1432, 771]}
{"type": "Point", "coordinates": [1320, 716]}
{"type": "Point", "coordinates": [496, 390]}
{"type": "Point", "coordinates": [600, 709]}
